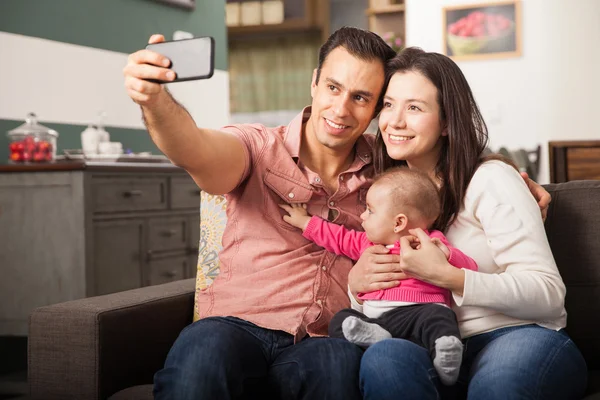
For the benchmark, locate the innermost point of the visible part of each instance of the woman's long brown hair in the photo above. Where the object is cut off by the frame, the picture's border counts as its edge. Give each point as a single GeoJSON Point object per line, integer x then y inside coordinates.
{"type": "Point", "coordinates": [467, 135]}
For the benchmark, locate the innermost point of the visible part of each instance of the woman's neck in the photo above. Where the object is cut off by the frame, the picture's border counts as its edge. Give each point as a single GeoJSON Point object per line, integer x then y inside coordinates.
{"type": "Point", "coordinates": [429, 169]}
{"type": "Point", "coordinates": [428, 165]}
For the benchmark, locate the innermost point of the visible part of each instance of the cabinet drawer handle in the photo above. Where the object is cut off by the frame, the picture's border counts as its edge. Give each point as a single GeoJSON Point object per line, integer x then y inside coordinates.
{"type": "Point", "coordinates": [169, 233]}
{"type": "Point", "coordinates": [132, 193]}
{"type": "Point", "coordinates": [169, 274]}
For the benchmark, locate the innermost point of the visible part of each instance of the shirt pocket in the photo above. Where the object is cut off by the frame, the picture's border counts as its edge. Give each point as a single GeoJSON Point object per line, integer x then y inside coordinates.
{"type": "Point", "coordinates": [283, 189]}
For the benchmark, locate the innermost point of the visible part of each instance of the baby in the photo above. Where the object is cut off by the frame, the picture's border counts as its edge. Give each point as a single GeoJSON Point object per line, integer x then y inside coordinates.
{"type": "Point", "coordinates": [399, 199]}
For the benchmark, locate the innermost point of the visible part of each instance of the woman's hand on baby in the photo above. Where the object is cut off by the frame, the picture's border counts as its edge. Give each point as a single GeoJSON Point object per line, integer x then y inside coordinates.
{"type": "Point", "coordinates": [298, 216]}
{"type": "Point", "coordinates": [442, 247]}
{"type": "Point", "coordinates": [423, 258]}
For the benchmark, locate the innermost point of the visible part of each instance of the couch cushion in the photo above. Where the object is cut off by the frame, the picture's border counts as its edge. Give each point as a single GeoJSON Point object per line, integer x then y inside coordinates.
{"type": "Point", "coordinates": [212, 225]}
{"type": "Point", "coordinates": [141, 392]}
{"type": "Point", "coordinates": [573, 229]}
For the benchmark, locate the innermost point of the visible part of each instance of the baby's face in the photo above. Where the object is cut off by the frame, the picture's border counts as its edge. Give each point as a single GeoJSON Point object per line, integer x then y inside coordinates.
{"type": "Point", "coordinates": [378, 218]}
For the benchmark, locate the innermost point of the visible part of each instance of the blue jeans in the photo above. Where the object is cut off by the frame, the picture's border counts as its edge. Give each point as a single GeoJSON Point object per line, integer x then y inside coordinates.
{"type": "Point", "coordinates": [229, 358]}
{"type": "Point", "coordinates": [523, 362]}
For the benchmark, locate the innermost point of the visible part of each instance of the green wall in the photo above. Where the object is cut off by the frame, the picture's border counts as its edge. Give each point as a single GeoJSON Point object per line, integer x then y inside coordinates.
{"type": "Point", "coordinates": [118, 25]}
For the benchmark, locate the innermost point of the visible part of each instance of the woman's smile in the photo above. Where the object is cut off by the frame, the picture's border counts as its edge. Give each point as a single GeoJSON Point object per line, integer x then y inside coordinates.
{"type": "Point", "coordinates": [394, 139]}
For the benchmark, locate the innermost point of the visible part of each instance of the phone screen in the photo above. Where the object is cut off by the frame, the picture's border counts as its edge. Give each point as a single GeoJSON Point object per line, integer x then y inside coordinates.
{"type": "Point", "coordinates": [190, 58]}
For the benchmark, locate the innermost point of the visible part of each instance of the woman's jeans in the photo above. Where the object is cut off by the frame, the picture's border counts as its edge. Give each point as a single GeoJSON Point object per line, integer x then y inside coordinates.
{"type": "Point", "coordinates": [523, 362]}
{"type": "Point", "coordinates": [229, 358]}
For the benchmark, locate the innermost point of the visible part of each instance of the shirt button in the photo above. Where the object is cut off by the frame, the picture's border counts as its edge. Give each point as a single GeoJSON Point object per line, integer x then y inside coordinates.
{"type": "Point", "coordinates": [291, 195]}
{"type": "Point", "coordinates": [332, 203]}
{"type": "Point", "coordinates": [324, 268]}
{"type": "Point", "coordinates": [317, 179]}
{"type": "Point", "coordinates": [320, 302]}
{"type": "Point", "coordinates": [342, 178]}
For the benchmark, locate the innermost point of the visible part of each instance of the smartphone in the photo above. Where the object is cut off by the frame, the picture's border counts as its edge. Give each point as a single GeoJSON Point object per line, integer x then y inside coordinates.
{"type": "Point", "coordinates": [191, 59]}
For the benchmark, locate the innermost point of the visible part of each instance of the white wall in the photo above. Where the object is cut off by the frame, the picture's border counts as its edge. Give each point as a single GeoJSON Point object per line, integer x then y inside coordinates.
{"type": "Point", "coordinates": [70, 84]}
{"type": "Point", "coordinates": [550, 92]}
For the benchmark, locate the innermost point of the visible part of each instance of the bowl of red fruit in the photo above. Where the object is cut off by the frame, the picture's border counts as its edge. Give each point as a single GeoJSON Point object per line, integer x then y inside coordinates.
{"type": "Point", "coordinates": [478, 32]}
{"type": "Point", "coordinates": [32, 142]}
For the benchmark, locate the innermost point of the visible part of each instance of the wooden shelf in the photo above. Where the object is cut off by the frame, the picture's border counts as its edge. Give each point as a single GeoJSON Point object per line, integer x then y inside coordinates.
{"type": "Point", "coordinates": [306, 17]}
{"type": "Point", "coordinates": [291, 26]}
{"type": "Point", "coordinates": [391, 9]}
{"type": "Point", "coordinates": [387, 16]}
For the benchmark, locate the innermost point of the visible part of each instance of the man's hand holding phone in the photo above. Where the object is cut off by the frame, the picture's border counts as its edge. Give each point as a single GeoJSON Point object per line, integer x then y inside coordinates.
{"type": "Point", "coordinates": [144, 66]}
{"type": "Point", "coordinates": [165, 62]}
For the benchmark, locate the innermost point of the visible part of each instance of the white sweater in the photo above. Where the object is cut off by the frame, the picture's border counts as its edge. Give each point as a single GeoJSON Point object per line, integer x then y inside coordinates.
{"type": "Point", "coordinates": [501, 228]}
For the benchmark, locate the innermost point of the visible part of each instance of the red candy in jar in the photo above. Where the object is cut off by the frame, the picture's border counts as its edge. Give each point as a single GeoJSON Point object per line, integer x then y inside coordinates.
{"type": "Point", "coordinates": [32, 142]}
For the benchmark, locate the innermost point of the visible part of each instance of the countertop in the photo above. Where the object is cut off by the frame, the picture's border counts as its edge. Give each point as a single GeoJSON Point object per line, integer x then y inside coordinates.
{"type": "Point", "coordinates": [90, 165]}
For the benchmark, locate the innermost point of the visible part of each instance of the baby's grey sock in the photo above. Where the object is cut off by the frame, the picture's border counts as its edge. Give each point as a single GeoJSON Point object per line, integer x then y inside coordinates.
{"type": "Point", "coordinates": [363, 333]}
{"type": "Point", "coordinates": [448, 357]}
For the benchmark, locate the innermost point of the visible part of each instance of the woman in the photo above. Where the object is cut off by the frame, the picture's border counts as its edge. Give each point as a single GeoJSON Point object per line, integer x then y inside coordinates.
{"type": "Point", "coordinates": [511, 312]}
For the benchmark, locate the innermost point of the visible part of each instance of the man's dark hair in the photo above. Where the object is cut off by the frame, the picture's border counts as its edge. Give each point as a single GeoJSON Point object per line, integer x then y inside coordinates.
{"type": "Point", "coordinates": [362, 44]}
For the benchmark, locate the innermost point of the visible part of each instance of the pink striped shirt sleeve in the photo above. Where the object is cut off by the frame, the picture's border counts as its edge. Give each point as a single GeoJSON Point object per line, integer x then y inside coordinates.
{"type": "Point", "coordinates": [336, 238]}
{"type": "Point", "coordinates": [457, 258]}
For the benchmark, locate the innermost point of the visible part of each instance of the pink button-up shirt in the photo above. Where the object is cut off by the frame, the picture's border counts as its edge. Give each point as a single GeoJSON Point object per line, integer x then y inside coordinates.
{"type": "Point", "coordinates": [270, 274]}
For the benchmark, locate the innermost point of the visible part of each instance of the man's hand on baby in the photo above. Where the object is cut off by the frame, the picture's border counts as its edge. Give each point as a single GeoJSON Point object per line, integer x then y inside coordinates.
{"type": "Point", "coordinates": [298, 216]}
{"type": "Point", "coordinates": [377, 269]}
{"type": "Point", "coordinates": [540, 194]}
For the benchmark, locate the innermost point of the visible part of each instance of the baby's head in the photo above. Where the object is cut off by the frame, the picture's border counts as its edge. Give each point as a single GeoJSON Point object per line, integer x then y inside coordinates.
{"type": "Point", "coordinates": [399, 199]}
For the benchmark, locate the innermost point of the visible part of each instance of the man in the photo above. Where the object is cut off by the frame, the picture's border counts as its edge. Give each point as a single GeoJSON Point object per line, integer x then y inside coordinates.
{"type": "Point", "coordinates": [265, 317]}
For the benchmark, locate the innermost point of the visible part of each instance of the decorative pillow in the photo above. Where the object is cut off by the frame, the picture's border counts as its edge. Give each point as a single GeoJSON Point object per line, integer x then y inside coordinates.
{"type": "Point", "coordinates": [212, 225]}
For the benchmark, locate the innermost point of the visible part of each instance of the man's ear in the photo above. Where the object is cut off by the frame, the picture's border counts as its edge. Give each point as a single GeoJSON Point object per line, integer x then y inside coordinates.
{"type": "Point", "coordinates": [445, 132]}
{"type": "Point", "coordinates": [313, 84]}
{"type": "Point", "coordinates": [400, 223]}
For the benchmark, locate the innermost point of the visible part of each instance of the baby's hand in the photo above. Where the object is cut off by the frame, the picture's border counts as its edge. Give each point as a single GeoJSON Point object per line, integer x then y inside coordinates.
{"type": "Point", "coordinates": [298, 216]}
{"type": "Point", "coordinates": [441, 246]}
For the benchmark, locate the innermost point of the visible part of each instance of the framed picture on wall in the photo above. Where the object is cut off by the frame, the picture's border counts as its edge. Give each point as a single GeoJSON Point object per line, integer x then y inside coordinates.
{"type": "Point", "coordinates": [482, 31]}
{"type": "Point", "coordinates": [187, 4]}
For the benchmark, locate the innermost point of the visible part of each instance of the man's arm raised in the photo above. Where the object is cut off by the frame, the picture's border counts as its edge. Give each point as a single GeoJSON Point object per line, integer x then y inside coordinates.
{"type": "Point", "coordinates": [215, 160]}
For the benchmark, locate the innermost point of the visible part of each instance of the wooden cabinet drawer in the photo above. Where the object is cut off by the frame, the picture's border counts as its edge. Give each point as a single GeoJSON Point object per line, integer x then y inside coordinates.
{"type": "Point", "coordinates": [184, 193]}
{"type": "Point", "coordinates": [115, 194]}
{"type": "Point", "coordinates": [168, 234]}
{"type": "Point", "coordinates": [194, 223]}
{"type": "Point", "coordinates": [117, 265]}
{"type": "Point", "coordinates": [166, 270]}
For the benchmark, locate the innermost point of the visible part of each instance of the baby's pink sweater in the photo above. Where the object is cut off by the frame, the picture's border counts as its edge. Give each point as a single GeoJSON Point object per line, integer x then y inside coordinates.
{"type": "Point", "coordinates": [342, 241]}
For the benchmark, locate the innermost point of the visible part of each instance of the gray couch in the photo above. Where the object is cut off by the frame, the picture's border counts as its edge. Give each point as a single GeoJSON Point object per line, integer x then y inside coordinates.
{"type": "Point", "coordinates": [111, 346]}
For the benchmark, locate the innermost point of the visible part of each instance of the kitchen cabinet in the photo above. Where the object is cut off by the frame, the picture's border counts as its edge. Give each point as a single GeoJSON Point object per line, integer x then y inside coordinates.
{"type": "Point", "coordinates": [73, 230]}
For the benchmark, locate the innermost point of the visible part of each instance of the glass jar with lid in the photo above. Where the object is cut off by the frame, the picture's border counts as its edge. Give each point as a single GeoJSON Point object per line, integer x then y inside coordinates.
{"type": "Point", "coordinates": [32, 142]}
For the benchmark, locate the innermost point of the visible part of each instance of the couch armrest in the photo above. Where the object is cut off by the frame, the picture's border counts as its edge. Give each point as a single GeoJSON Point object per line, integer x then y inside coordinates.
{"type": "Point", "coordinates": [94, 347]}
